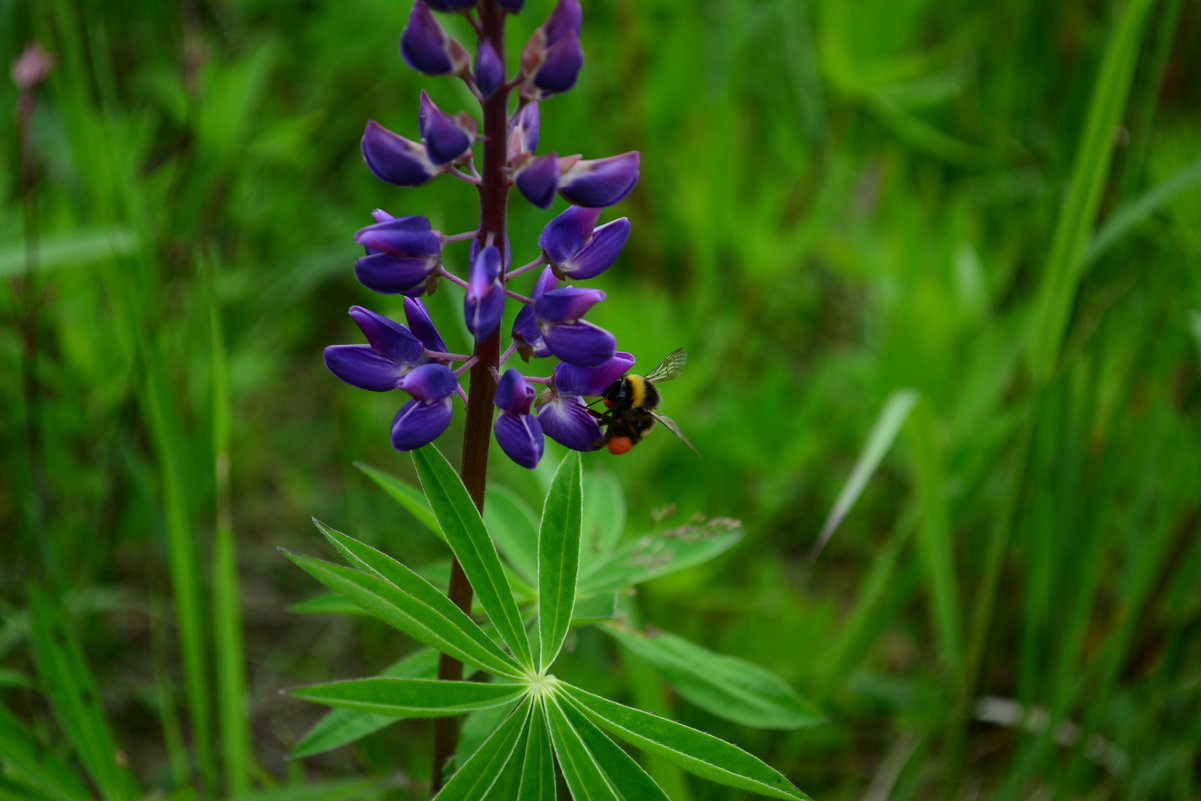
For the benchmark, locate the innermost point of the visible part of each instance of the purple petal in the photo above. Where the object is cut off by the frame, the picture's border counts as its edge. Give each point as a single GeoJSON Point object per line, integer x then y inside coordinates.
{"type": "Point", "coordinates": [418, 424]}
{"type": "Point", "coordinates": [513, 5]}
{"type": "Point", "coordinates": [520, 437]}
{"type": "Point", "coordinates": [424, 45]}
{"type": "Point", "coordinates": [539, 179]}
{"type": "Point", "coordinates": [600, 182]}
{"type": "Point", "coordinates": [513, 393]}
{"type": "Point", "coordinates": [379, 215]}
{"type": "Point", "coordinates": [390, 275]}
{"type": "Point", "coordinates": [386, 337]}
{"type": "Point", "coordinates": [579, 343]}
{"type": "Point", "coordinates": [566, 304]}
{"type": "Point", "coordinates": [444, 138]}
{"type": "Point", "coordinates": [566, 234]}
{"type": "Point", "coordinates": [394, 159]}
{"type": "Point", "coordinates": [591, 381]}
{"type": "Point", "coordinates": [403, 237]}
{"type": "Point", "coordinates": [430, 382]}
{"type": "Point", "coordinates": [561, 65]}
{"type": "Point", "coordinates": [523, 131]}
{"type": "Point", "coordinates": [484, 301]}
{"type": "Point", "coordinates": [449, 5]}
{"type": "Point", "coordinates": [525, 329]}
{"type": "Point", "coordinates": [546, 282]}
{"type": "Point", "coordinates": [567, 16]}
{"type": "Point", "coordinates": [489, 71]}
{"type": "Point", "coordinates": [360, 366]}
{"type": "Point", "coordinates": [600, 253]}
{"type": "Point", "coordinates": [566, 420]}
{"type": "Point", "coordinates": [485, 269]}
{"type": "Point", "coordinates": [422, 326]}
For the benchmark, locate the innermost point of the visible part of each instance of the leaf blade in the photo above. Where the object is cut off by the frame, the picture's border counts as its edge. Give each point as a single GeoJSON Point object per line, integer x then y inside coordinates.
{"type": "Point", "coordinates": [559, 558]}
{"type": "Point", "coordinates": [486, 765]}
{"type": "Point", "coordinates": [406, 495]}
{"type": "Point", "coordinates": [410, 698]}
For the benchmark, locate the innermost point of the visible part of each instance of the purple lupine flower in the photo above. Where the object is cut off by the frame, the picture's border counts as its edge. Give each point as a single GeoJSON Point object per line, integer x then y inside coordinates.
{"type": "Point", "coordinates": [523, 132]}
{"type": "Point", "coordinates": [591, 381]}
{"type": "Point", "coordinates": [446, 136]}
{"type": "Point", "coordinates": [420, 421]}
{"type": "Point", "coordinates": [525, 327]}
{"type": "Point", "coordinates": [427, 48]}
{"type": "Point", "coordinates": [564, 416]}
{"type": "Point", "coordinates": [565, 335]}
{"type": "Point", "coordinates": [598, 182]}
{"type": "Point", "coordinates": [394, 159]}
{"type": "Point", "coordinates": [518, 432]}
{"type": "Point", "coordinates": [513, 5]}
{"type": "Point", "coordinates": [576, 248]}
{"type": "Point", "coordinates": [489, 71]}
{"type": "Point", "coordinates": [539, 179]}
{"type": "Point", "coordinates": [449, 5]}
{"type": "Point", "coordinates": [391, 353]}
{"type": "Point", "coordinates": [484, 302]}
{"type": "Point", "coordinates": [422, 326]}
{"type": "Point", "coordinates": [560, 65]}
{"type": "Point", "coordinates": [402, 255]}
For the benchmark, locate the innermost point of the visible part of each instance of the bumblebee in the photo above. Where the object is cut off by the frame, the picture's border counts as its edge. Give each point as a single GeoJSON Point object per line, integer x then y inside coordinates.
{"type": "Point", "coordinates": [632, 403]}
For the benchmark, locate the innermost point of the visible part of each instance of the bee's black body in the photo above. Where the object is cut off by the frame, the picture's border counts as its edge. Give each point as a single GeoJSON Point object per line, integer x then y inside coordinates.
{"type": "Point", "coordinates": [631, 407]}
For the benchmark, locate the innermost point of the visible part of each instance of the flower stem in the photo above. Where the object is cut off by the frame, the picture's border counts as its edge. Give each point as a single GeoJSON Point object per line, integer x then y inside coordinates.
{"type": "Point", "coordinates": [494, 190]}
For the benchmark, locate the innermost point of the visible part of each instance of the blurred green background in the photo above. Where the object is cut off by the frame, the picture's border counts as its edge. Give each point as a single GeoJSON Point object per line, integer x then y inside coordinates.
{"type": "Point", "coordinates": [974, 225]}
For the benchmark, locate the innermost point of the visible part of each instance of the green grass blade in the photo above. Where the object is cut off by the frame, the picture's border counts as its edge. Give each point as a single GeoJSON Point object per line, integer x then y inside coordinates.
{"type": "Point", "coordinates": [410, 698]}
{"type": "Point", "coordinates": [1078, 211]}
{"type": "Point", "coordinates": [484, 768]}
{"type": "Point", "coordinates": [727, 686]}
{"type": "Point", "coordinates": [64, 678]}
{"type": "Point", "coordinates": [419, 610]}
{"type": "Point", "coordinates": [1123, 221]}
{"type": "Point", "coordinates": [31, 762]}
{"type": "Point", "coordinates": [694, 751]}
{"type": "Point", "coordinates": [884, 432]}
{"type": "Point", "coordinates": [467, 537]}
{"type": "Point", "coordinates": [233, 718]}
{"type": "Point", "coordinates": [406, 495]}
{"type": "Point", "coordinates": [342, 726]}
{"type": "Point", "coordinates": [558, 558]}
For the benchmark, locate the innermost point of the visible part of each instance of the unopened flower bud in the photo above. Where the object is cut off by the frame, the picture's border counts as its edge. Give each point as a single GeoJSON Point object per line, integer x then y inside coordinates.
{"type": "Point", "coordinates": [489, 71]}
{"type": "Point", "coordinates": [446, 137]}
{"type": "Point", "coordinates": [427, 48]}
{"type": "Point", "coordinates": [394, 159]}
{"type": "Point", "coordinates": [538, 179]}
{"type": "Point", "coordinates": [484, 301]}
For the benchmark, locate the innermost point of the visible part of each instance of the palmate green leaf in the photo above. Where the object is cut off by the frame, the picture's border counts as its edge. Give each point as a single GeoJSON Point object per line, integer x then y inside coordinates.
{"type": "Point", "coordinates": [514, 527]}
{"type": "Point", "coordinates": [342, 726]}
{"type": "Point", "coordinates": [418, 610]}
{"type": "Point", "coordinates": [595, 768]}
{"type": "Point", "coordinates": [410, 698]}
{"type": "Point", "coordinates": [661, 553]}
{"type": "Point", "coordinates": [694, 751]}
{"type": "Point", "coordinates": [486, 766]}
{"type": "Point", "coordinates": [604, 517]}
{"type": "Point", "coordinates": [406, 495]}
{"type": "Point", "coordinates": [558, 558]}
{"type": "Point", "coordinates": [31, 762]}
{"type": "Point", "coordinates": [64, 678]}
{"type": "Point", "coordinates": [467, 537]}
{"type": "Point", "coordinates": [538, 764]}
{"type": "Point", "coordinates": [730, 688]}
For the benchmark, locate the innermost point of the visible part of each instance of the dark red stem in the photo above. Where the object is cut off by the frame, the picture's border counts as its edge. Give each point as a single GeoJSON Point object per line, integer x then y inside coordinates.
{"type": "Point", "coordinates": [494, 191]}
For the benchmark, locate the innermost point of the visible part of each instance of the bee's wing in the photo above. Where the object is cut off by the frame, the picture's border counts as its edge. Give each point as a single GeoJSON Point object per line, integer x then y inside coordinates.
{"type": "Point", "coordinates": [670, 367]}
{"type": "Point", "coordinates": [671, 426]}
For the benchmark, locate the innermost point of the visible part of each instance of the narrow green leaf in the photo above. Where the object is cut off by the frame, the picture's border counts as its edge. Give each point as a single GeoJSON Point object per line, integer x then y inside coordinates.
{"type": "Point", "coordinates": [661, 553]}
{"type": "Point", "coordinates": [342, 726]}
{"type": "Point", "coordinates": [418, 610]}
{"type": "Point", "coordinates": [467, 537]}
{"type": "Point", "coordinates": [514, 527]}
{"type": "Point", "coordinates": [584, 776]}
{"type": "Point", "coordinates": [64, 678]}
{"type": "Point", "coordinates": [410, 698]}
{"type": "Point", "coordinates": [538, 765]}
{"type": "Point", "coordinates": [594, 609]}
{"type": "Point", "coordinates": [558, 558]}
{"type": "Point", "coordinates": [884, 432]}
{"type": "Point", "coordinates": [730, 688]}
{"type": "Point", "coordinates": [627, 776]}
{"type": "Point", "coordinates": [33, 763]}
{"type": "Point", "coordinates": [604, 516]}
{"type": "Point", "coordinates": [484, 768]}
{"type": "Point", "coordinates": [406, 495]}
{"type": "Point", "coordinates": [326, 603]}
{"type": "Point", "coordinates": [694, 751]}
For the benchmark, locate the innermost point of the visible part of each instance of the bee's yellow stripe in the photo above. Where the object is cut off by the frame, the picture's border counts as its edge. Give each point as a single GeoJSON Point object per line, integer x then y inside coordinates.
{"type": "Point", "coordinates": [637, 389]}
